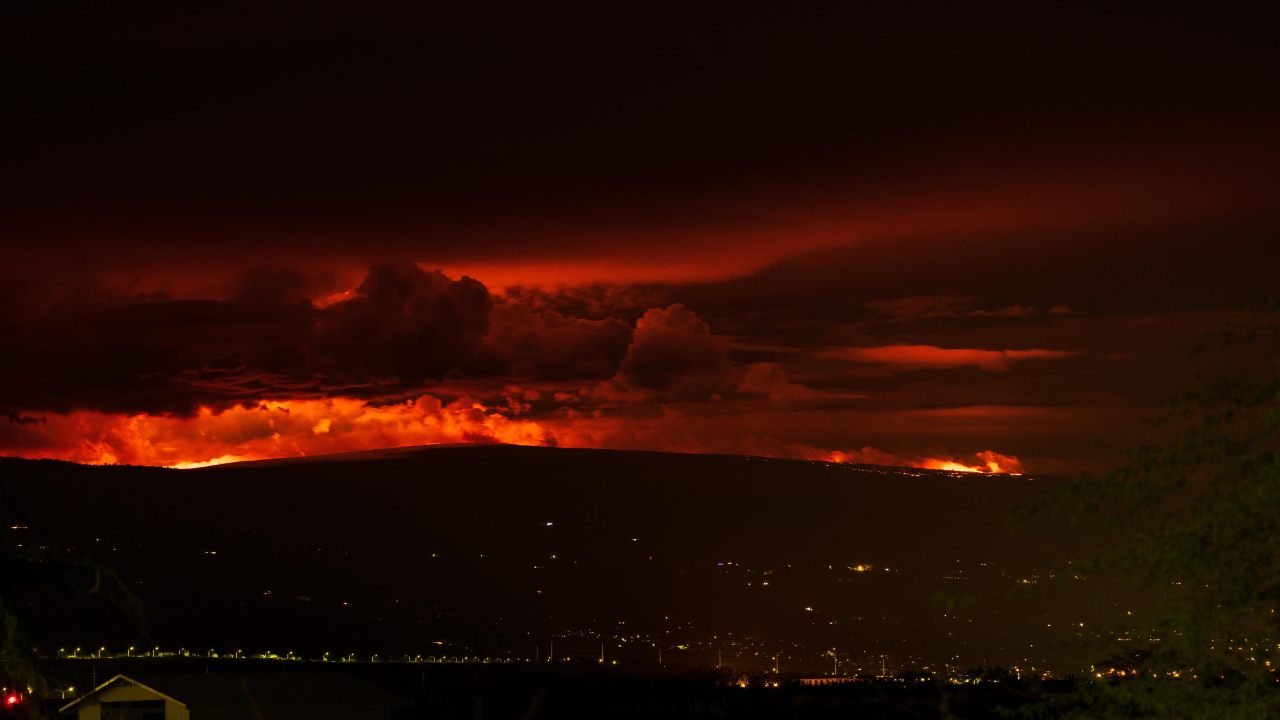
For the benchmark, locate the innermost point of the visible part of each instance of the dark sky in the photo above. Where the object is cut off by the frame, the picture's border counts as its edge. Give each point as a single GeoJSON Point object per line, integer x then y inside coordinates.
{"type": "Point", "coordinates": [896, 228]}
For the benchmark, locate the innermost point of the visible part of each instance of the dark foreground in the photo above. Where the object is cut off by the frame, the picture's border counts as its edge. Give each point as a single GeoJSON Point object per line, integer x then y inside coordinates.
{"type": "Point", "coordinates": [498, 692]}
{"type": "Point", "coordinates": [649, 558]}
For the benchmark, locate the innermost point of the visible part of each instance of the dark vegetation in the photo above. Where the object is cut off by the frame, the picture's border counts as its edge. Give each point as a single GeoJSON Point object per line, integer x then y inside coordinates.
{"type": "Point", "coordinates": [1200, 518]}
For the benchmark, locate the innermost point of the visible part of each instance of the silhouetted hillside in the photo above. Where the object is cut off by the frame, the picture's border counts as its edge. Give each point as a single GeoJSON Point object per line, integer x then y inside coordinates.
{"type": "Point", "coordinates": [500, 549]}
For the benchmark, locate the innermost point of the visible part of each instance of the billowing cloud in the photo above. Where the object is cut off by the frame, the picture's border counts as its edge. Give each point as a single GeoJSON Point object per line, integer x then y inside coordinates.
{"type": "Point", "coordinates": [545, 344]}
{"type": "Point", "coordinates": [674, 351]}
{"type": "Point", "coordinates": [775, 384]}
{"type": "Point", "coordinates": [770, 380]}
{"type": "Point", "coordinates": [405, 323]}
{"type": "Point", "coordinates": [592, 301]}
{"type": "Point", "coordinates": [929, 357]}
{"type": "Point", "coordinates": [400, 329]}
{"type": "Point", "coordinates": [244, 369]}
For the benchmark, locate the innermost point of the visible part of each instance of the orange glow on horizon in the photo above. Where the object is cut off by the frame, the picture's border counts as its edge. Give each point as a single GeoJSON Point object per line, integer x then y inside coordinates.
{"type": "Point", "coordinates": [989, 461]}
{"type": "Point", "coordinates": [935, 464]}
{"type": "Point", "coordinates": [299, 428]}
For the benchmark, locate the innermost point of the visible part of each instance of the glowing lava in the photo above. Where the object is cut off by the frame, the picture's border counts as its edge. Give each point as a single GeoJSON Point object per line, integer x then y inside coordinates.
{"type": "Point", "coordinates": [296, 428]}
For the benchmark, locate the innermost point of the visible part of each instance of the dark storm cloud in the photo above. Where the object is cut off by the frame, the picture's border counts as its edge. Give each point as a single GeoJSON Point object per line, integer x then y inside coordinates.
{"type": "Point", "coordinates": [595, 301]}
{"type": "Point", "coordinates": [271, 286]}
{"type": "Point", "coordinates": [146, 356]}
{"type": "Point", "coordinates": [407, 324]}
{"type": "Point", "coordinates": [402, 327]}
{"type": "Point", "coordinates": [674, 351]}
{"type": "Point", "coordinates": [932, 285]}
{"type": "Point", "coordinates": [546, 345]}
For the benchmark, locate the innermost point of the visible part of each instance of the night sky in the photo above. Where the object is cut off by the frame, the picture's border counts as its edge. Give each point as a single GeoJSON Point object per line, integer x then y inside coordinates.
{"type": "Point", "coordinates": [885, 232]}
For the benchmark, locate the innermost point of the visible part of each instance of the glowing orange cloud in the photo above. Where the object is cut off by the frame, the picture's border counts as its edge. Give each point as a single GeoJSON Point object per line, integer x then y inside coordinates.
{"type": "Point", "coordinates": [989, 461]}
{"type": "Point", "coordinates": [272, 429]}
{"type": "Point", "coordinates": [295, 428]}
{"type": "Point", "coordinates": [933, 357]}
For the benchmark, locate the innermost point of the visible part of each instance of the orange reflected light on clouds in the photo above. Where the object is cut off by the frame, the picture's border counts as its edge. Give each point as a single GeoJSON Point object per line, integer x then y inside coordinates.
{"type": "Point", "coordinates": [297, 428]}
{"type": "Point", "coordinates": [271, 429]}
{"type": "Point", "coordinates": [918, 357]}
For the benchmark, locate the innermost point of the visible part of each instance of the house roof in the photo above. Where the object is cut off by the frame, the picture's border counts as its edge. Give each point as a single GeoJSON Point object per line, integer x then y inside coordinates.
{"type": "Point", "coordinates": [258, 689]}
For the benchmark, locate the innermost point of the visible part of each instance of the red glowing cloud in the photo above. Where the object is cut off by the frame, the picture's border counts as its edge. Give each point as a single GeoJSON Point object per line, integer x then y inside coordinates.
{"type": "Point", "coordinates": [928, 357]}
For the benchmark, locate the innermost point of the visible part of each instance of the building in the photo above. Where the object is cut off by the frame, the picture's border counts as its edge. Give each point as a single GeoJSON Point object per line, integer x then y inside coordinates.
{"type": "Point", "coordinates": [227, 696]}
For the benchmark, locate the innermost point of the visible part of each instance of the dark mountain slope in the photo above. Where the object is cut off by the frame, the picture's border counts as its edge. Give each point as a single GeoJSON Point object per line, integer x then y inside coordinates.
{"type": "Point", "coordinates": [497, 549]}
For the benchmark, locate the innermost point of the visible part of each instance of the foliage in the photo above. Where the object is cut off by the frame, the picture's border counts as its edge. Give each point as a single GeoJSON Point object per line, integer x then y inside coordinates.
{"type": "Point", "coordinates": [1197, 520]}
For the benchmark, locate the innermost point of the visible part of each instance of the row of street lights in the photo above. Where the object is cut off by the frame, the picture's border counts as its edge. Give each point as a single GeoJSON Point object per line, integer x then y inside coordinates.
{"type": "Point", "coordinates": [156, 652]}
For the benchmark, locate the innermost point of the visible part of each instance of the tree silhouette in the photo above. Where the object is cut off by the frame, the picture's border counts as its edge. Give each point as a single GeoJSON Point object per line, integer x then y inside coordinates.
{"type": "Point", "coordinates": [1198, 521]}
